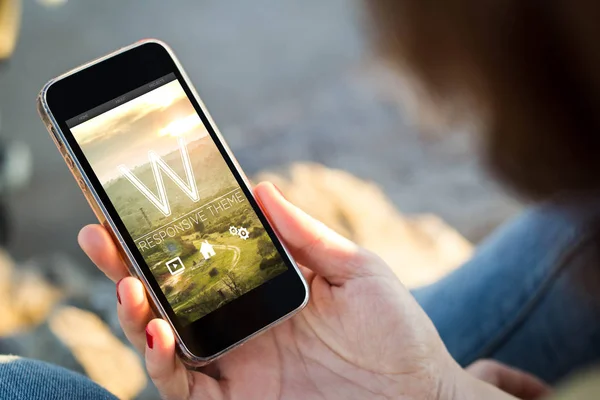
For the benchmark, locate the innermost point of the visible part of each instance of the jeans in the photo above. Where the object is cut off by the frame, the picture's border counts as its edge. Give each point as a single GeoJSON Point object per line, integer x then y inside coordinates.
{"type": "Point", "coordinates": [526, 299]}
{"type": "Point", "coordinates": [22, 379]}
{"type": "Point", "coordinates": [527, 296]}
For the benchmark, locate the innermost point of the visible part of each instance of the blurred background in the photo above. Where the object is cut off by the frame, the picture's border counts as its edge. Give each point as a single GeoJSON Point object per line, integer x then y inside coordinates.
{"type": "Point", "coordinates": [301, 99]}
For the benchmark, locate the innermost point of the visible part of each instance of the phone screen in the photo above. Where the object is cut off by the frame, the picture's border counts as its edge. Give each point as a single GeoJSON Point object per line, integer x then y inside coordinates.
{"type": "Point", "coordinates": [177, 198]}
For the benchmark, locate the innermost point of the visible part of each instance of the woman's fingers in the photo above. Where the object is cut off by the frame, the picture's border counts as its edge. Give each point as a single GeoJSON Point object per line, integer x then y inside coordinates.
{"type": "Point", "coordinates": [134, 311]}
{"type": "Point", "coordinates": [154, 338]}
{"type": "Point", "coordinates": [133, 308]}
{"type": "Point", "coordinates": [312, 244]}
{"type": "Point", "coordinates": [100, 248]}
{"type": "Point", "coordinates": [512, 381]}
{"type": "Point", "coordinates": [168, 374]}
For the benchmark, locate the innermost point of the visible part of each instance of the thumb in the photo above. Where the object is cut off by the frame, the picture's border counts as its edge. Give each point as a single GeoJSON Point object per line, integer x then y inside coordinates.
{"type": "Point", "coordinates": [313, 244]}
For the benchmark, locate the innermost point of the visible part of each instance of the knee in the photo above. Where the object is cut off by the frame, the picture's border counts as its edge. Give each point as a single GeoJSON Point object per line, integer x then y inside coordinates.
{"type": "Point", "coordinates": [541, 239]}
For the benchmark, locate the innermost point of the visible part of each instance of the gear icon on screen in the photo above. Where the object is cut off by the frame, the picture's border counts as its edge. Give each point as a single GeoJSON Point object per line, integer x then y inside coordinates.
{"type": "Point", "coordinates": [233, 230]}
{"type": "Point", "coordinates": [243, 233]}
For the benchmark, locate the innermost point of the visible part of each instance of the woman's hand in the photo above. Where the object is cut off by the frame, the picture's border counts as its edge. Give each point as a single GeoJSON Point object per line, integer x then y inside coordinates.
{"type": "Point", "coordinates": [518, 383]}
{"type": "Point", "coordinates": [362, 335]}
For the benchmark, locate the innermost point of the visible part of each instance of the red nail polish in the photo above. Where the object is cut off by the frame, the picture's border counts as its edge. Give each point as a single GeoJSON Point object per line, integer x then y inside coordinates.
{"type": "Point", "coordinates": [118, 296]}
{"type": "Point", "coordinates": [149, 339]}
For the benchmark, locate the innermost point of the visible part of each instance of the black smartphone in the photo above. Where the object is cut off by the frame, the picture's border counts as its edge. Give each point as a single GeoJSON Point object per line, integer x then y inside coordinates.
{"type": "Point", "coordinates": [159, 176]}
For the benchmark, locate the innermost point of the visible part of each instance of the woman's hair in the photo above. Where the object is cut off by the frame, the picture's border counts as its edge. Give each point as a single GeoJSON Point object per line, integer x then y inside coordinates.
{"type": "Point", "coordinates": [528, 69]}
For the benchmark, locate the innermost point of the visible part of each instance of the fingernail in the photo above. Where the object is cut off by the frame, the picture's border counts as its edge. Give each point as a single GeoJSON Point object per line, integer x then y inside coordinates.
{"type": "Point", "coordinates": [149, 339]}
{"type": "Point", "coordinates": [118, 296]}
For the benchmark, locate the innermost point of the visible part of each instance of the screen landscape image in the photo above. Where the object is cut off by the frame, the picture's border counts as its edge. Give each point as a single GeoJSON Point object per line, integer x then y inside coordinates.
{"type": "Point", "coordinates": [179, 201]}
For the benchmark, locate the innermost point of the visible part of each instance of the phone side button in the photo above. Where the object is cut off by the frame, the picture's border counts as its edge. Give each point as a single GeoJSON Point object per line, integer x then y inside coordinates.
{"type": "Point", "coordinates": [59, 142]}
{"type": "Point", "coordinates": [69, 162]}
{"type": "Point", "coordinates": [82, 184]}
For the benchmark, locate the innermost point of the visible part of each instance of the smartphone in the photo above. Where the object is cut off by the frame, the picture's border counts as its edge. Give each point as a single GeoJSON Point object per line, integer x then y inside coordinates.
{"type": "Point", "coordinates": [159, 176]}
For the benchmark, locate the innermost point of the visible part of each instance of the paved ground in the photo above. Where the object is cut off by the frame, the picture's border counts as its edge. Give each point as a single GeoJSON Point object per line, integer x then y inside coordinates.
{"type": "Point", "coordinates": [286, 81]}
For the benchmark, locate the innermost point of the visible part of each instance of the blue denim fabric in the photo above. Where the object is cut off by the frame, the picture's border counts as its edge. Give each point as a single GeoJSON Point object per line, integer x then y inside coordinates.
{"type": "Point", "coordinates": [522, 299]}
{"type": "Point", "coordinates": [23, 379]}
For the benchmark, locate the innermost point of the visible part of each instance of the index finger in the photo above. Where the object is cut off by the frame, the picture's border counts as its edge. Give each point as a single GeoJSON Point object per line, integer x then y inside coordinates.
{"type": "Point", "coordinates": [100, 248]}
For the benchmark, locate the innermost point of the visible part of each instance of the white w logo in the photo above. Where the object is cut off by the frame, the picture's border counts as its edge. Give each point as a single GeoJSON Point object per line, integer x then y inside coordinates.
{"type": "Point", "coordinates": [162, 202]}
